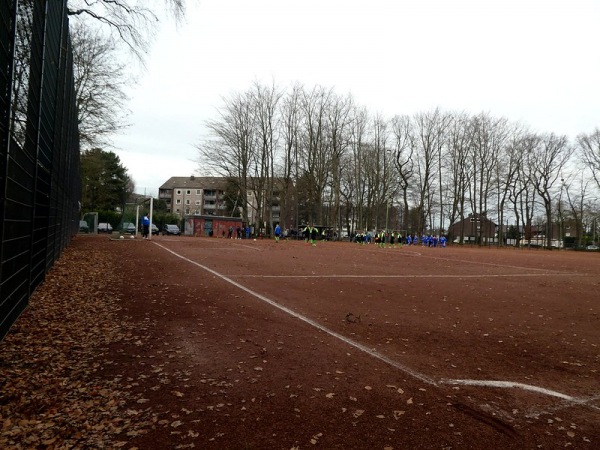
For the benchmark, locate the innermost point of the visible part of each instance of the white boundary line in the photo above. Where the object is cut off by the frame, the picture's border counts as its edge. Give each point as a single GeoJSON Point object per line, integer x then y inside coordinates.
{"type": "Point", "coordinates": [510, 275]}
{"type": "Point", "coordinates": [311, 322]}
{"type": "Point", "coordinates": [219, 241]}
{"type": "Point", "coordinates": [374, 353]}
{"type": "Point", "coordinates": [486, 263]}
{"type": "Point", "coordinates": [425, 250]}
{"type": "Point", "coordinates": [513, 385]}
{"type": "Point", "coordinates": [247, 246]}
{"type": "Point", "coordinates": [230, 249]}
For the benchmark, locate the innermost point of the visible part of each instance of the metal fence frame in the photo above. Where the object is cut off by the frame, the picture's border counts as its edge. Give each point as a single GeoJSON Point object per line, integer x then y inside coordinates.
{"type": "Point", "coordinates": [40, 186]}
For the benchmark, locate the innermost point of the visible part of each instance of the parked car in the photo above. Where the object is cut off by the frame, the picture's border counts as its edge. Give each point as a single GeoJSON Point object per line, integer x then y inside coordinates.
{"type": "Point", "coordinates": [104, 227]}
{"type": "Point", "coordinates": [128, 227]}
{"type": "Point", "coordinates": [171, 229]}
{"type": "Point", "coordinates": [154, 229]}
{"type": "Point", "coordinates": [84, 227]}
{"type": "Point", "coordinates": [592, 247]}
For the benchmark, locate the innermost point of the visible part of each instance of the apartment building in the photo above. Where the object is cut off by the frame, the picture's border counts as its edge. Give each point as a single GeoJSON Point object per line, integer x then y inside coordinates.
{"type": "Point", "coordinates": [192, 195]}
{"type": "Point", "coordinates": [205, 196]}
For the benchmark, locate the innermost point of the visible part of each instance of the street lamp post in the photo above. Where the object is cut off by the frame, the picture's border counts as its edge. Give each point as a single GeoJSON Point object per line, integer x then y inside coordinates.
{"type": "Point", "coordinates": [561, 242]}
{"type": "Point", "coordinates": [387, 212]}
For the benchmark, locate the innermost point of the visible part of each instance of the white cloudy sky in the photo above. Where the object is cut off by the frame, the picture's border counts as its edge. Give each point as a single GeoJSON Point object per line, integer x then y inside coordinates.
{"type": "Point", "coordinates": [533, 61]}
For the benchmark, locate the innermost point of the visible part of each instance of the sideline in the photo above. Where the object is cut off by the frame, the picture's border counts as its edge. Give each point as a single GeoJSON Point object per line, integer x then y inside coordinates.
{"type": "Point", "coordinates": [374, 353]}
{"type": "Point", "coordinates": [509, 275]}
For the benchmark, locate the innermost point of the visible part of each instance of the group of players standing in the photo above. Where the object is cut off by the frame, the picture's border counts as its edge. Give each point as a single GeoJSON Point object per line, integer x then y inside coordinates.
{"type": "Point", "coordinates": [394, 238]}
{"type": "Point", "coordinates": [382, 239]}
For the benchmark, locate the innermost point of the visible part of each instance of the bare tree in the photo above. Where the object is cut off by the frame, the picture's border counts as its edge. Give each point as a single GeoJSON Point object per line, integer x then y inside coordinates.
{"type": "Point", "coordinates": [265, 100]}
{"type": "Point", "coordinates": [403, 158]}
{"type": "Point", "coordinates": [357, 179]}
{"type": "Point", "coordinates": [290, 129]}
{"type": "Point", "coordinates": [546, 161]}
{"type": "Point", "coordinates": [589, 151]}
{"type": "Point", "coordinates": [382, 186]}
{"type": "Point", "coordinates": [317, 156]}
{"type": "Point", "coordinates": [522, 192]}
{"type": "Point", "coordinates": [132, 21]}
{"type": "Point", "coordinates": [459, 141]}
{"type": "Point", "coordinates": [428, 132]}
{"type": "Point", "coordinates": [230, 151]}
{"type": "Point", "coordinates": [507, 170]}
{"type": "Point", "coordinates": [98, 31]}
{"type": "Point", "coordinates": [576, 188]}
{"type": "Point", "coordinates": [443, 125]}
{"type": "Point", "coordinates": [339, 119]}
{"type": "Point", "coordinates": [489, 135]}
{"type": "Point", "coordinates": [100, 82]}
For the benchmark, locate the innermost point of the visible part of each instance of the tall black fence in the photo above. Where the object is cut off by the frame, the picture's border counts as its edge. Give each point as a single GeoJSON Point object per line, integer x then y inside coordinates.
{"type": "Point", "coordinates": [40, 186]}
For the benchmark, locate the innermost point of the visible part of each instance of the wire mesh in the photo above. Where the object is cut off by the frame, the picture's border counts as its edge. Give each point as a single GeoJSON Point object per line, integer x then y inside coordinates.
{"type": "Point", "coordinates": [39, 177]}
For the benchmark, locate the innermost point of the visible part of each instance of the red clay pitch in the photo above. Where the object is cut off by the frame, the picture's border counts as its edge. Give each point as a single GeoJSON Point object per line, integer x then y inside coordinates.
{"type": "Point", "coordinates": [342, 346]}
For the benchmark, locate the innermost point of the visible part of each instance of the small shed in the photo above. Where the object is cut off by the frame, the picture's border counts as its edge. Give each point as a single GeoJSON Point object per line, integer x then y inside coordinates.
{"type": "Point", "coordinates": [213, 226]}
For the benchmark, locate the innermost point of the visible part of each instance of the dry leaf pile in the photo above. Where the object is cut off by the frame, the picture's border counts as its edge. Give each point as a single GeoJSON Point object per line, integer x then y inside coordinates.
{"type": "Point", "coordinates": [50, 396]}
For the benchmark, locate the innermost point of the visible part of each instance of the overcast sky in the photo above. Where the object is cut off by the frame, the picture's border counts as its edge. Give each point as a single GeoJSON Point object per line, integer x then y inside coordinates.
{"type": "Point", "coordinates": [534, 61]}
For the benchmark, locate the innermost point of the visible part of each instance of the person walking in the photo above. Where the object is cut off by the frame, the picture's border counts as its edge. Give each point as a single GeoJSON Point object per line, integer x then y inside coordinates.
{"type": "Point", "coordinates": [382, 238]}
{"type": "Point", "coordinates": [145, 226]}
{"type": "Point", "coordinates": [310, 233]}
{"type": "Point", "coordinates": [313, 235]}
{"type": "Point", "coordinates": [277, 233]}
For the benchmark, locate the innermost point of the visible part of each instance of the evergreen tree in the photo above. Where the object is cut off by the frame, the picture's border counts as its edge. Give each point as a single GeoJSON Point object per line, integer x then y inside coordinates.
{"type": "Point", "coordinates": [104, 180]}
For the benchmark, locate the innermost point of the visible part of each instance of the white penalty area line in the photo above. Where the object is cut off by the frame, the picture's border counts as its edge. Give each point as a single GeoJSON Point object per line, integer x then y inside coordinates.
{"type": "Point", "coordinates": [510, 275]}
{"type": "Point", "coordinates": [426, 254]}
{"type": "Point", "coordinates": [219, 241]}
{"type": "Point", "coordinates": [482, 263]}
{"type": "Point", "coordinates": [374, 353]}
{"type": "Point", "coordinates": [248, 246]}
{"type": "Point", "coordinates": [525, 387]}
{"type": "Point", "coordinates": [230, 249]}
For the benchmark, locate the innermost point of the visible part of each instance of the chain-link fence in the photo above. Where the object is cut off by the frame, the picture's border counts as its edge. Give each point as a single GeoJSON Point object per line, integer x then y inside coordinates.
{"type": "Point", "coordinates": [39, 175]}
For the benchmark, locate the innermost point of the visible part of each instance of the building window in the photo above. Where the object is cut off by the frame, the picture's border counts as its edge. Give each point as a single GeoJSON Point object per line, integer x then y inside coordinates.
{"type": "Point", "coordinates": [197, 202]}
{"type": "Point", "coordinates": [178, 202]}
{"type": "Point", "coordinates": [187, 201]}
{"type": "Point", "coordinates": [198, 191]}
{"type": "Point", "coordinates": [178, 191]}
{"type": "Point", "coordinates": [188, 192]}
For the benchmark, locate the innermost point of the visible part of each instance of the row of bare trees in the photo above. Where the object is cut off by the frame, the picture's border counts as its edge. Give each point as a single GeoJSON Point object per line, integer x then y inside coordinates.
{"type": "Point", "coordinates": [329, 161]}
